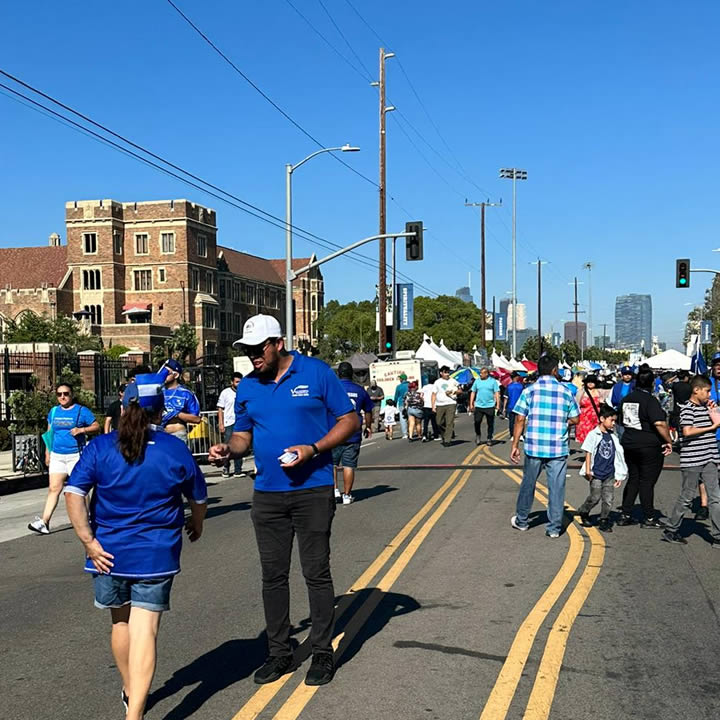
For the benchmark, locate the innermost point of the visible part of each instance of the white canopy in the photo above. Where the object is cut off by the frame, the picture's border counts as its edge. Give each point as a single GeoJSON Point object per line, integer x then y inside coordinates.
{"type": "Point", "coordinates": [670, 360]}
{"type": "Point", "coordinates": [455, 355]}
{"type": "Point", "coordinates": [428, 350]}
{"type": "Point", "coordinates": [516, 365]}
{"type": "Point", "coordinates": [498, 361]}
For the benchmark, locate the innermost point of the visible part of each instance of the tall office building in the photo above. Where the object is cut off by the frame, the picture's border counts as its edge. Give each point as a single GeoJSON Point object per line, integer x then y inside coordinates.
{"type": "Point", "coordinates": [633, 322]}
{"type": "Point", "coordinates": [577, 333]}
{"type": "Point", "coordinates": [506, 310]}
{"type": "Point", "coordinates": [464, 294]}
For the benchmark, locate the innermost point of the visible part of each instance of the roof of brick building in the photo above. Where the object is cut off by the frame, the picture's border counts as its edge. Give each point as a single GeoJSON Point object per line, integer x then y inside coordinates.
{"type": "Point", "coordinates": [30, 267]}
{"type": "Point", "coordinates": [257, 268]}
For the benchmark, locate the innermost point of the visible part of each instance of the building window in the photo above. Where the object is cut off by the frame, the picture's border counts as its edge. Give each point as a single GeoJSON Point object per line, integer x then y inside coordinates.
{"type": "Point", "coordinates": [222, 288]}
{"type": "Point", "coordinates": [117, 243]}
{"type": "Point", "coordinates": [237, 324]}
{"type": "Point", "coordinates": [90, 243]}
{"type": "Point", "coordinates": [201, 246]}
{"type": "Point", "coordinates": [91, 280]}
{"type": "Point", "coordinates": [272, 298]}
{"type": "Point", "coordinates": [210, 316]}
{"type": "Point", "coordinates": [95, 314]}
{"type": "Point", "coordinates": [141, 244]}
{"type": "Point", "coordinates": [261, 297]}
{"type": "Point", "coordinates": [194, 279]}
{"type": "Point", "coordinates": [210, 348]}
{"type": "Point", "coordinates": [313, 302]}
{"type": "Point", "coordinates": [209, 284]}
{"type": "Point", "coordinates": [250, 294]}
{"type": "Point", "coordinates": [236, 292]}
{"type": "Point", "coordinates": [167, 243]}
{"type": "Point", "coordinates": [223, 323]}
{"type": "Point", "coordinates": [162, 277]}
{"type": "Point", "coordinates": [142, 279]}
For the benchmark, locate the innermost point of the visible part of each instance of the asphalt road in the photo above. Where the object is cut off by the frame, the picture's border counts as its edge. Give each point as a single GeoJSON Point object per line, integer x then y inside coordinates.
{"type": "Point", "coordinates": [444, 611]}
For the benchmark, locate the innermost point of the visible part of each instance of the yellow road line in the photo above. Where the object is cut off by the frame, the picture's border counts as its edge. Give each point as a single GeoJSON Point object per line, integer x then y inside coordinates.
{"type": "Point", "coordinates": [260, 699]}
{"type": "Point", "coordinates": [302, 695]}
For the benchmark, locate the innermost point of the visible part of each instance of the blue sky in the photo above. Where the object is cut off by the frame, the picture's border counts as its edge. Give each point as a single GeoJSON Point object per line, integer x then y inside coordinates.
{"type": "Point", "coordinates": [611, 108]}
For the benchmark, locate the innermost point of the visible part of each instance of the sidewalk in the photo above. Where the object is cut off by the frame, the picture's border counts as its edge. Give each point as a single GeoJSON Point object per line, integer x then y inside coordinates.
{"type": "Point", "coordinates": [11, 482]}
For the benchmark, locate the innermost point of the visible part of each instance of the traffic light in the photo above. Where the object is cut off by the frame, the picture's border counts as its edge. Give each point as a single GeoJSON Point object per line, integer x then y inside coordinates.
{"type": "Point", "coordinates": [389, 339]}
{"type": "Point", "coordinates": [414, 244]}
{"type": "Point", "coordinates": [682, 273]}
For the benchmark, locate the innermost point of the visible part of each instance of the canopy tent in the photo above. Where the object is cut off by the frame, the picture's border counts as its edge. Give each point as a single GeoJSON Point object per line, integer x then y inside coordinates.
{"type": "Point", "coordinates": [428, 350]}
{"type": "Point", "coordinates": [516, 365]}
{"type": "Point", "coordinates": [466, 375]}
{"type": "Point", "coordinates": [670, 360]}
{"type": "Point", "coordinates": [454, 355]}
{"type": "Point", "coordinates": [529, 365]}
{"type": "Point", "coordinates": [499, 361]}
{"type": "Point", "coordinates": [361, 361]}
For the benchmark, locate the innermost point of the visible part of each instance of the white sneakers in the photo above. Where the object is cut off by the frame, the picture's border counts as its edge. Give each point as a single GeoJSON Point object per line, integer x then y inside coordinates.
{"type": "Point", "coordinates": [347, 499]}
{"type": "Point", "coordinates": [514, 523]}
{"type": "Point", "coordinates": [338, 494]}
{"type": "Point", "coordinates": [38, 526]}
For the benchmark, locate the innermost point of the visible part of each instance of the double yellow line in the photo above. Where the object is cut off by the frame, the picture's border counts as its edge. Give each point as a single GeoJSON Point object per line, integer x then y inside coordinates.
{"type": "Point", "coordinates": [543, 690]}
{"type": "Point", "coordinates": [302, 694]}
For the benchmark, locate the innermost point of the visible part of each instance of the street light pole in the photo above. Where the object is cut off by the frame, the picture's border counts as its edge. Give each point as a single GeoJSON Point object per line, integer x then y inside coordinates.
{"type": "Point", "coordinates": [539, 264]}
{"type": "Point", "coordinates": [289, 170]}
{"type": "Point", "coordinates": [514, 174]}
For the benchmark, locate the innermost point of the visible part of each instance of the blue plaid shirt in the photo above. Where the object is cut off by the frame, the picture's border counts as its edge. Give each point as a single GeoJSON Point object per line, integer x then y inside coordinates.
{"type": "Point", "coordinates": [546, 405]}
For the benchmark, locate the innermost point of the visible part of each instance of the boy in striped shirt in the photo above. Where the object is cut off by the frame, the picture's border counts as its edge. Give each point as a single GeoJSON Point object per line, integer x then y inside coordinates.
{"type": "Point", "coordinates": [698, 461]}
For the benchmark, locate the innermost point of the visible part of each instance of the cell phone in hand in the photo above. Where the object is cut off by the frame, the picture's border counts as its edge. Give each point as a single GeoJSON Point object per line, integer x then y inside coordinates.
{"type": "Point", "coordinates": [288, 457]}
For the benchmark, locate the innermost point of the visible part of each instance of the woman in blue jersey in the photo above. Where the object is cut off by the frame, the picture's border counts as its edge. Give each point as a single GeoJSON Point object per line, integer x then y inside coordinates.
{"type": "Point", "coordinates": [69, 424]}
{"type": "Point", "coordinates": [139, 474]}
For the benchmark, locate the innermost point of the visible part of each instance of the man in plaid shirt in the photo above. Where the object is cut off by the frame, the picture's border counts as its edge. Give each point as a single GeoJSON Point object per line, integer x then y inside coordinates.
{"type": "Point", "coordinates": [544, 410]}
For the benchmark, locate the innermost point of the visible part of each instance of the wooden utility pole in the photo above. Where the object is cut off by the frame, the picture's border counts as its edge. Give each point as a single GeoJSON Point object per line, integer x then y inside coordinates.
{"type": "Point", "coordinates": [482, 206]}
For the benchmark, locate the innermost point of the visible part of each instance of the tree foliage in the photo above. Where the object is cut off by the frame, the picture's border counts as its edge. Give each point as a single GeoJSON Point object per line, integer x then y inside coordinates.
{"type": "Point", "coordinates": [180, 345]}
{"type": "Point", "coordinates": [63, 331]}
{"type": "Point", "coordinates": [345, 329]}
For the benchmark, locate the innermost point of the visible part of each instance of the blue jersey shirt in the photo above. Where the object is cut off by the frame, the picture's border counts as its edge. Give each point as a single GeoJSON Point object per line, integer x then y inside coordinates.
{"type": "Point", "coordinates": [62, 421]}
{"type": "Point", "coordinates": [177, 400]}
{"type": "Point", "coordinates": [514, 391]}
{"type": "Point", "coordinates": [296, 410]}
{"type": "Point", "coordinates": [485, 392]}
{"type": "Point", "coordinates": [137, 510]}
{"type": "Point", "coordinates": [604, 462]}
{"type": "Point", "coordinates": [361, 402]}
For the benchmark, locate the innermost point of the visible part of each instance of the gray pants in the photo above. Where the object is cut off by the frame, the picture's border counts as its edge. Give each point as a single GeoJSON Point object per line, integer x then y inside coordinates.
{"type": "Point", "coordinates": [445, 416]}
{"type": "Point", "coordinates": [600, 489]}
{"type": "Point", "coordinates": [691, 477]}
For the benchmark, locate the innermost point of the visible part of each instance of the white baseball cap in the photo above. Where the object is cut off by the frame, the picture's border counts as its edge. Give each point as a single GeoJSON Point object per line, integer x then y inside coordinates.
{"type": "Point", "coordinates": [259, 328]}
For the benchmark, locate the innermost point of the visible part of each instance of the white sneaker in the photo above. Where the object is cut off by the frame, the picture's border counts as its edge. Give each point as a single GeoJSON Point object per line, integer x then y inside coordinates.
{"type": "Point", "coordinates": [347, 499]}
{"type": "Point", "coordinates": [338, 494]}
{"type": "Point", "coordinates": [38, 526]}
{"type": "Point", "coordinates": [514, 523]}
{"type": "Point", "coordinates": [404, 437]}
{"type": "Point", "coordinates": [553, 534]}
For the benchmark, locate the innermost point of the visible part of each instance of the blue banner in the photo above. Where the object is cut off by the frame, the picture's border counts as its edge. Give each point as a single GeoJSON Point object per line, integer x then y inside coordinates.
{"type": "Point", "coordinates": [500, 326]}
{"type": "Point", "coordinates": [706, 332]}
{"type": "Point", "coordinates": [405, 307]}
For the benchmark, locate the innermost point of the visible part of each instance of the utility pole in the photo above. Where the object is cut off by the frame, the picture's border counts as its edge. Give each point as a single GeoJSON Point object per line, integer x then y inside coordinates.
{"type": "Point", "coordinates": [482, 206]}
{"type": "Point", "coordinates": [382, 259]}
{"type": "Point", "coordinates": [589, 266]}
{"type": "Point", "coordinates": [604, 336]}
{"type": "Point", "coordinates": [577, 312]}
{"type": "Point", "coordinates": [539, 264]}
{"type": "Point", "coordinates": [493, 323]}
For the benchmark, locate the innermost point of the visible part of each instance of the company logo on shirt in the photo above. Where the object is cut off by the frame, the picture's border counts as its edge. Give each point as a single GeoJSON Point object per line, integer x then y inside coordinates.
{"type": "Point", "coordinates": [300, 391]}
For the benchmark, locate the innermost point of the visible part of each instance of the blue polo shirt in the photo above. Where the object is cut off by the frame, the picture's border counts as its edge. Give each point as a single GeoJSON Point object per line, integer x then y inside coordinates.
{"type": "Point", "coordinates": [297, 410]}
{"type": "Point", "coordinates": [137, 510]}
{"type": "Point", "coordinates": [178, 400]}
{"type": "Point", "coordinates": [361, 402]}
{"type": "Point", "coordinates": [485, 392]}
{"type": "Point", "coordinates": [63, 421]}
{"type": "Point", "coordinates": [514, 391]}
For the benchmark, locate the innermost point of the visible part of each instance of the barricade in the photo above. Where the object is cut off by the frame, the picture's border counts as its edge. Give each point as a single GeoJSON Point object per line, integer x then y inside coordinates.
{"type": "Point", "coordinates": [202, 435]}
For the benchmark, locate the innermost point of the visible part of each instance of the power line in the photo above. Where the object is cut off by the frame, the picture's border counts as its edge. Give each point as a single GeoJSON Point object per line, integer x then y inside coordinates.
{"type": "Point", "coordinates": [347, 42]}
{"type": "Point", "coordinates": [201, 184]}
{"type": "Point", "coordinates": [263, 94]}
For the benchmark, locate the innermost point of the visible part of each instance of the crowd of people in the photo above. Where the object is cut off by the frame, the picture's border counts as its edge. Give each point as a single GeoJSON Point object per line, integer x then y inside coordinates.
{"type": "Point", "coordinates": [126, 489]}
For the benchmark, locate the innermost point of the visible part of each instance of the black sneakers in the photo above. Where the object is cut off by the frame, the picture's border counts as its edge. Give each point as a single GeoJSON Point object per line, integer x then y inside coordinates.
{"type": "Point", "coordinates": [652, 523]}
{"type": "Point", "coordinates": [322, 669]}
{"type": "Point", "coordinates": [605, 525]}
{"type": "Point", "coordinates": [670, 536]}
{"type": "Point", "coordinates": [624, 520]}
{"type": "Point", "coordinates": [274, 668]}
{"type": "Point", "coordinates": [585, 519]}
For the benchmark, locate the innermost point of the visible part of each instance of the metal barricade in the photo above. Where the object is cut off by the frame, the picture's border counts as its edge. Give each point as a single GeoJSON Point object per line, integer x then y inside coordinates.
{"type": "Point", "coordinates": [202, 435]}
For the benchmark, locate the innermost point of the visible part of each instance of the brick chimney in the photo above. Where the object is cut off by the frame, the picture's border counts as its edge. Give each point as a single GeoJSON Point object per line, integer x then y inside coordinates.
{"type": "Point", "coordinates": [54, 240]}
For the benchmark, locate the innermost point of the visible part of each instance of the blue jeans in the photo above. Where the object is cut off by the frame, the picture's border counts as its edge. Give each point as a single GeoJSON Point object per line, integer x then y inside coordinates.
{"type": "Point", "coordinates": [238, 461]}
{"type": "Point", "coordinates": [403, 423]}
{"type": "Point", "coordinates": [511, 424]}
{"type": "Point", "coordinates": [555, 470]}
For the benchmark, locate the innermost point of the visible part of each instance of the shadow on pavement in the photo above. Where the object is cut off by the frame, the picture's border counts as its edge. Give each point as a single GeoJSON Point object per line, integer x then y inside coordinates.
{"type": "Point", "coordinates": [366, 493]}
{"type": "Point", "coordinates": [224, 509]}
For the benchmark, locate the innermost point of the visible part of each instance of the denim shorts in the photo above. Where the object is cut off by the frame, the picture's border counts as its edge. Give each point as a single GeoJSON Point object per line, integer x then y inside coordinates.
{"type": "Point", "coordinates": [346, 455]}
{"type": "Point", "coordinates": [147, 593]}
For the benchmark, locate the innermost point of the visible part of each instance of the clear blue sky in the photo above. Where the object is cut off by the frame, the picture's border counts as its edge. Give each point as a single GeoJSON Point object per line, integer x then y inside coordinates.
{"type": "Point", "coordinates": [611, 108]}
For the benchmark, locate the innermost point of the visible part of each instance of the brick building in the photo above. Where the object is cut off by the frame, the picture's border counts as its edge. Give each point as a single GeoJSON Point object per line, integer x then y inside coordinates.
{"type": "Point", "coordinates": [133, 271]}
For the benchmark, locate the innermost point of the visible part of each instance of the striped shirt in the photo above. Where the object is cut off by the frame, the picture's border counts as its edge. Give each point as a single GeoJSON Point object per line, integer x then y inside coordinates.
{"type": "Point", "coordinates": [547, 406]}
{"type": "Point", "coordinates": [697, 450]}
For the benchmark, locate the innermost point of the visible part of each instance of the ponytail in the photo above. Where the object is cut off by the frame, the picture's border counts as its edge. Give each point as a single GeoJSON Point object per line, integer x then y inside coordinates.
{"type": "Point", "coordinates": [133, 432]}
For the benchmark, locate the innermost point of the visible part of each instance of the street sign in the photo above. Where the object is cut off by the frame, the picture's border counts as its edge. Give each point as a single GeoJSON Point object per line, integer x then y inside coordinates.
{"type": "Point", "coordinates": [500, 326]}
{"type": "Point", "coordinates": [406, 309]}
{"type": "Point", "coordinates": [706, 332]}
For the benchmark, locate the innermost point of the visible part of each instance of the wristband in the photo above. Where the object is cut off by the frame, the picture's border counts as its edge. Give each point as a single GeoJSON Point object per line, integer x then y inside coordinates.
{"type": "Point", "coordinates": [315, 449]}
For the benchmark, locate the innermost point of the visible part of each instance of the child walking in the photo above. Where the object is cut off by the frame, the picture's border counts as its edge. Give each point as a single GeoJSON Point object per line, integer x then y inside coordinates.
{"type": "Point", "coordinates": [389, 418]}
{"type": "Point", "coordinates": [698, 462]}
{"type": "Point", "coordinates": [604, 467]}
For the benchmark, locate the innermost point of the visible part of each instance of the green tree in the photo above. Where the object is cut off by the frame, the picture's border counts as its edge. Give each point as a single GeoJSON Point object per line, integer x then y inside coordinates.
{"type": "Point", "coordinates": [63, 331]}
{"type": "Point", "coordinates": [530, 349]}
{"type": "Point", "coordinates": [345, 329]}
{"type": "Point", "coordinates": [181, 345]}
{"type": "Point", "coordinates": [115, 351]}
{"type": "Point", "coordinates": [570, 351]}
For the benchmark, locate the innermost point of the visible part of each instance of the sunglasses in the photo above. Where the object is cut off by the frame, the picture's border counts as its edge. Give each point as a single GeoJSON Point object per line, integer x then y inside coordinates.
{"type": "Point", "coordinates": [63, 394]}
{"type": "Point", "coordinates": [257, 350]}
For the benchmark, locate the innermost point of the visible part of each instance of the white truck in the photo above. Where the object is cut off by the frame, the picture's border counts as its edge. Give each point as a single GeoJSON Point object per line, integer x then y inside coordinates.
{"type": "Point", "coordinates": [387, 373]}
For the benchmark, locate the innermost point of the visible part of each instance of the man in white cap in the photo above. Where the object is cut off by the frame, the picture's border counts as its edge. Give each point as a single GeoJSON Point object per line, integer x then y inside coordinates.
{"type": "Point", "coordinates": [284, 409]}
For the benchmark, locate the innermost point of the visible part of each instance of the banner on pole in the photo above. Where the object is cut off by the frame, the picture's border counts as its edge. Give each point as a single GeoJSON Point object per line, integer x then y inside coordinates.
{"type": "Point", "coordinates": [706, 332]}
{"type": "Point", "coordinates": [500, 326]}
{"type": "Point", "coordinates": [406, 309]}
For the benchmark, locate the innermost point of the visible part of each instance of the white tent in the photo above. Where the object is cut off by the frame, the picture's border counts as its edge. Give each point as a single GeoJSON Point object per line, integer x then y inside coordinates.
{"type": "Point", "coordinates": [454, 355]}
{"type": "Point", "coordinates": [428, 350]}
{"type": "Point", "coordinates": [516, 365]}
{"type": "Point", "coordinates": [498, 361]}
{"type": "Point", "coordinates": [670, 360]}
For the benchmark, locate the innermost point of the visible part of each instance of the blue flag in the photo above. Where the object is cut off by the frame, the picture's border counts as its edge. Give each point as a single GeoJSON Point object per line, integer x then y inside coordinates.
{"type": "Point", "coordinates": [698, 364]}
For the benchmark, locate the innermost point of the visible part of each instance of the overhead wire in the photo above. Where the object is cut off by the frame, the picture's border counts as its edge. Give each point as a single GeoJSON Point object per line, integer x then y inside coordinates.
{"type": "Point", "coordinates": [195, 181]}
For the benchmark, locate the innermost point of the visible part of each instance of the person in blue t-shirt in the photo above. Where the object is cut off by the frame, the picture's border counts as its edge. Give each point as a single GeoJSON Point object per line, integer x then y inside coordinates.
{"type": "Point", "coordinates": [512, 393]}
{"type": "Point", "coordinates": [68, 424]}
{"type": "Point", "coordinates": [181, 404]}
{"type": "Point", "coordinates": [623, 387]}
{"type": "Point", "coordinates": [139, 475]}
{"type": "Point", "coordinates": [346, 455]}
{"type": "Point", "coordinates": [294, 411]}
{"type": "Point", "coordinates": [485, 402]}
